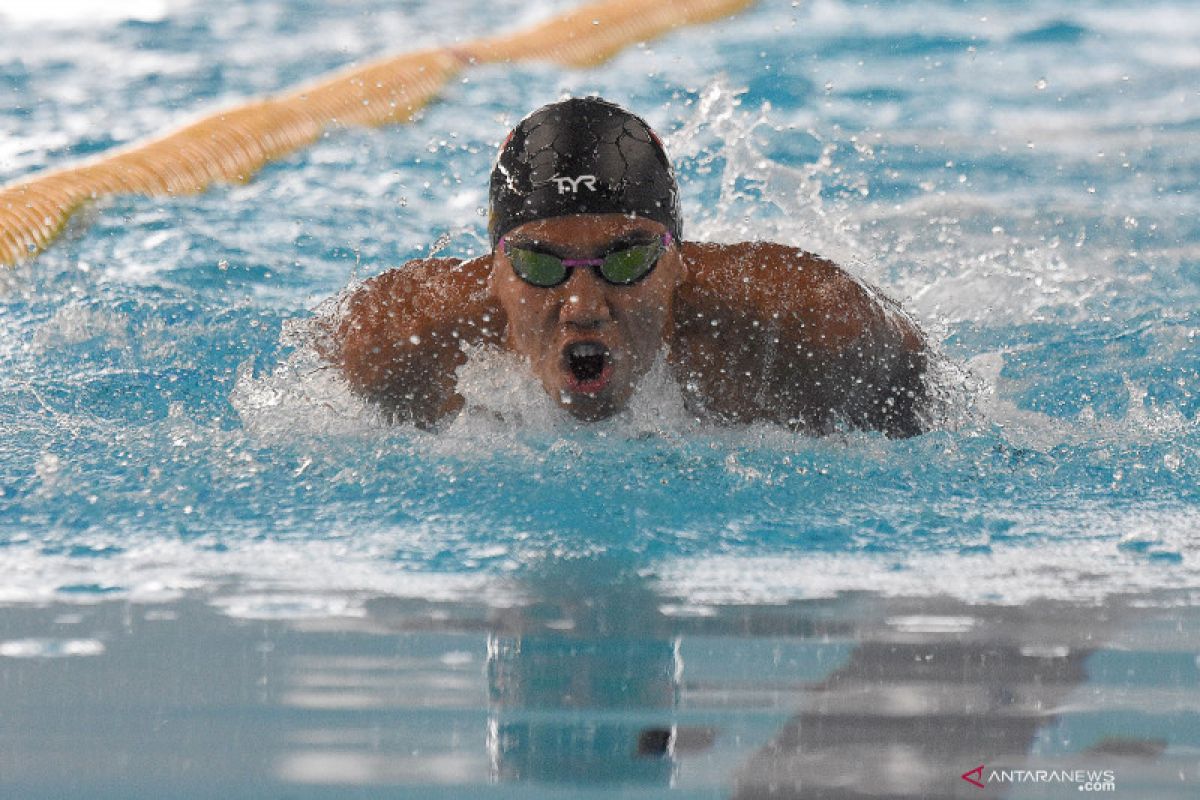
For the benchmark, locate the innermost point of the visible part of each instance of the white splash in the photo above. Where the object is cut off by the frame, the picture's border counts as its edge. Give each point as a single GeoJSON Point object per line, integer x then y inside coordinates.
{"type": "Point", "coordinates": [304, 394]}
{"type": "Point", "coordinates": [76, 324]}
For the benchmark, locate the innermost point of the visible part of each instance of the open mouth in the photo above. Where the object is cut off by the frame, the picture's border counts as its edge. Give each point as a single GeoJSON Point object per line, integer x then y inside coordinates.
{"type": "Point", "coordinates": [589, 366]}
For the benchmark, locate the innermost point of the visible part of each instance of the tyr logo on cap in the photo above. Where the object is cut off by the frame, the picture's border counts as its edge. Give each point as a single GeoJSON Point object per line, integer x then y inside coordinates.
{"type": "Point", "coordinates": [566, 183]}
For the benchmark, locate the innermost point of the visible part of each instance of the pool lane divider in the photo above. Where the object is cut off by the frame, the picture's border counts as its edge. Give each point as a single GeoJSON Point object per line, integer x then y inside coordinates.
{"type": "Point", "coordinates": [232, 145]}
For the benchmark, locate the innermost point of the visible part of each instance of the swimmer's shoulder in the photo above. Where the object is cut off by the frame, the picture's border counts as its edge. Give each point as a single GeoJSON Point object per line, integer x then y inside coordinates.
{"type": "Point", "coordinates": [757, 277]}
{"type": "Point", "coordinates": [421, 297]}
{"type": "Point", "coordinates": [398, 337]}
{"type": "Point", "coordinates": [421, 293]}
{"type": "Point", "coordinates": [795, 337]}
{"type": "Point", "coordinates": [419, 277]}
{"type": "Point", "coordinates": [713, 259]}
{"type": "Point", "coordinates": [799, 297]}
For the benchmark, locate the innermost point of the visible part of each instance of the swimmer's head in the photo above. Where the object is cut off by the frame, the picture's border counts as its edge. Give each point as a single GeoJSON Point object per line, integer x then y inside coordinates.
{"type": "Point", "coordinates": [585, 231]}
{"type": "Point", "coordinates": [582, 156]}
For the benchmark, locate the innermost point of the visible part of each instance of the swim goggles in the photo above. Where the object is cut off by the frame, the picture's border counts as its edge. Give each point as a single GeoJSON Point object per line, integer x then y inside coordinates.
{"type": "Point", "coordinates": [622, 267]}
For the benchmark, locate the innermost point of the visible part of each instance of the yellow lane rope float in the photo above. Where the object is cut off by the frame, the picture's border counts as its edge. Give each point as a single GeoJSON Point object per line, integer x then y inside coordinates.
{"type": "Point", "coordinates": [232, 145]}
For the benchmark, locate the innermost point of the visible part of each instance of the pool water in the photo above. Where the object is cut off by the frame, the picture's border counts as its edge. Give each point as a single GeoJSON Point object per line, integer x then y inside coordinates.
{"type": "Point", "coordinates": [223, 576]}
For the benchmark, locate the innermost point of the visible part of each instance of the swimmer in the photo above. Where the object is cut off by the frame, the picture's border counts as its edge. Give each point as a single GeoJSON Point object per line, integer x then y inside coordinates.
{"type": "Point", "coordinates": [589, 280]}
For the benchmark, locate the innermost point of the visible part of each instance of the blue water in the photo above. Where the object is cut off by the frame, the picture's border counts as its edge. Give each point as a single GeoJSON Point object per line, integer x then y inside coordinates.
{"type": "Point", "coordinates": [1021, 175]}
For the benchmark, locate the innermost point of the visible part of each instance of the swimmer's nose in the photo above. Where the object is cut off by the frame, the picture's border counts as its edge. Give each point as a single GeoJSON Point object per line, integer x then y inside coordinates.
{"type": "Point", "coordinates": [585, 302]}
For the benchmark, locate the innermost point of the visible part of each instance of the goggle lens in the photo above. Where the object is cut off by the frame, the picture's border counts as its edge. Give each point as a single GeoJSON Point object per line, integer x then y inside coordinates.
{"type": "Point", "coordinates": [622, 267]}
{"type": "Point", "coordinates": [631, 264]}
{"type": "Point", "coordinates": [540, 269]}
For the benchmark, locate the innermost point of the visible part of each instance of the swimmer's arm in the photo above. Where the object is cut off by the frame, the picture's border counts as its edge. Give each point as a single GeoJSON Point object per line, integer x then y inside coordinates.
{"type": "Point", "coordinates": [398, 338]}
{"type": "Point", "coordinates": [798, 341]}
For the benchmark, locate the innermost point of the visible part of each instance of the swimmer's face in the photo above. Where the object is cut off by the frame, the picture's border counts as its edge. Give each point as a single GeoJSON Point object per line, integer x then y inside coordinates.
{"type": "Point", "coordinates": [588, 341]}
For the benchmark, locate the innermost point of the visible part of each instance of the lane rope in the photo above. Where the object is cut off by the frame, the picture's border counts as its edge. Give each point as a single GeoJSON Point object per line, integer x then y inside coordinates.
{"type": "Point", "coordinates": [233, 144]}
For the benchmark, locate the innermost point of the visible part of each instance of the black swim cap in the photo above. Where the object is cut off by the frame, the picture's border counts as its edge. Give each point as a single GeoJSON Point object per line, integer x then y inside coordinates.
{"type": "Point", "coordinates": [582, 156]}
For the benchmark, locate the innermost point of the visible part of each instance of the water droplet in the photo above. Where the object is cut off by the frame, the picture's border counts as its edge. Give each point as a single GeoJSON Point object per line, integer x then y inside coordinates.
{"type": "Point", "coordinates": [1041, 84]}
{"type": "Point", "coordinates": [439, 244]}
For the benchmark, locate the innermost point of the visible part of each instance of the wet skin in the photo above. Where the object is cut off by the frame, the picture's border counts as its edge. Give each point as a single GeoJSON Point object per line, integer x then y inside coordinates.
{"type": "Point", "coordinates": [752, 331]}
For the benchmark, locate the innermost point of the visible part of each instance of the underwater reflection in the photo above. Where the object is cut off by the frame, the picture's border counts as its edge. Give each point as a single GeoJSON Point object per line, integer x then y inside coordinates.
{"type": "Point", "coordinates": [582, 690]}
{"type": "Point", "coordinates": [591, 679]}
{"type": "Point", "coordinates": [532, 681]}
